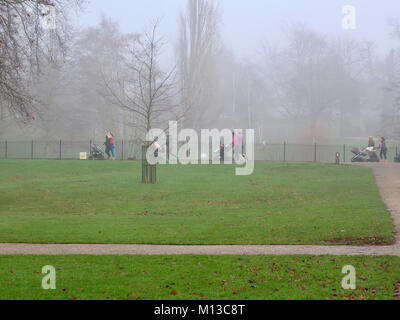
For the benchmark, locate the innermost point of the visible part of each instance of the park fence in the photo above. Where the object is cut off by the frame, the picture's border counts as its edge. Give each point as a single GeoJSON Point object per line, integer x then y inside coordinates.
{"type": "Point", "coordinates": [132, 150]}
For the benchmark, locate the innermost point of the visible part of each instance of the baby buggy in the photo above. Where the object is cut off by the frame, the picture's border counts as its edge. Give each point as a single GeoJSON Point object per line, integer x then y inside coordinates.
{"type": "Point", "coordinates": [397, 158]}
{"type": "Point", "coordinates": [364, 155]}
{"type": "Point", "coordinates": [96, 153]}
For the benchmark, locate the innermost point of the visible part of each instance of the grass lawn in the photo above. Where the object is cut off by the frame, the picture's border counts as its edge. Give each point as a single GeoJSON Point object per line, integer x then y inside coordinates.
{"type": "Point", "coordinates": [104, 202]}
{"type": "Point", "coordinates": [197, 277]}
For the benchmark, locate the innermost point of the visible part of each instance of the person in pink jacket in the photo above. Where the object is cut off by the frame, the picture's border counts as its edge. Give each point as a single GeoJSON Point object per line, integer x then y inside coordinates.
{"type": "Point", "coordinates": [237, 145]}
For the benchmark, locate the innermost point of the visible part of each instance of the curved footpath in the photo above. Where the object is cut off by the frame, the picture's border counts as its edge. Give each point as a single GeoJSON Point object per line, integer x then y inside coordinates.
{"type": "Point", "coordinates": [387, 179]}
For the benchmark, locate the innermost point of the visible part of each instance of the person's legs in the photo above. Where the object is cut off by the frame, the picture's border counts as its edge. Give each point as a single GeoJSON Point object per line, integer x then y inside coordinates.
{"type": "Point", "coordinates": [385, 154]}
{"type": "Point", "coordinates": [113, 152]}
{"type": "Point", "coordinates": [108, 152]}
{"type": "Point", "coordinates": [236, 153]}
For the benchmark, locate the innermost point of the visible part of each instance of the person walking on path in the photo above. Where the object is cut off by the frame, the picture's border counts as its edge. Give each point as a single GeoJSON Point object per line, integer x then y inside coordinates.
{"type": "Point", "coordinates": [383, 148]}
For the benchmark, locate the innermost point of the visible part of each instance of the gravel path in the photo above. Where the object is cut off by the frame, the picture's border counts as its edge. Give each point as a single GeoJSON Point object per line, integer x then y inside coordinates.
{"type": "Point", "coordinates": [69, 249]}
{"type": "Point", "coordinates": [388, 181]}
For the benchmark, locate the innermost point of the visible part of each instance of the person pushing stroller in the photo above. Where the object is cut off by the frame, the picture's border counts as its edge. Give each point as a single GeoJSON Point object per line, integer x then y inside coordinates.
{"type": "Point", "coordinates": [384, 149]}
{"type": "Point", "coordinates": [110, 146]}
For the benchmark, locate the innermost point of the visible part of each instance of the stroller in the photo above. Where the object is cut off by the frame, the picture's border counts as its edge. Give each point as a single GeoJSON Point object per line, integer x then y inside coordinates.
{"type": "Point", "coordinates": [364, 155]}
{"type": "Point", "coordinates": [96, 153]}
{"type": "Point", "coordinates": [397, 158]}
{"type": "Point", "coordinates": [227, 150]}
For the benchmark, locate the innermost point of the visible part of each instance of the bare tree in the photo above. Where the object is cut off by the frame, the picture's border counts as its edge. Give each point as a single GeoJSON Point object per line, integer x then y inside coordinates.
{"type": "Point", "coordinates": [391, 107]}
{"type": "Point", "coordinates": [24, 45]}
{"type": "Point", "coordinates": [144, 89]}
{"type": "Point", "coordinates": [197, 48]}
{"type": "Point", "coordinates": [314, 79]}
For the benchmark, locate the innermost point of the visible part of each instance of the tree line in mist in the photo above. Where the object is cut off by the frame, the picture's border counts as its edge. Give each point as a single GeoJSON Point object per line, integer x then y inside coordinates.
{"type": "Point", "coordinates": [76, 84]}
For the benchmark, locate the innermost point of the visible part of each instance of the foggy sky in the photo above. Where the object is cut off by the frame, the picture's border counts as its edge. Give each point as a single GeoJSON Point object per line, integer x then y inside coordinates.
{"type": "Point", "coordinates": [247, 23]}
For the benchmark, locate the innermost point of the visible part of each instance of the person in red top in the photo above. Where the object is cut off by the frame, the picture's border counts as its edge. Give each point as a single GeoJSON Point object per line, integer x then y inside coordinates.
{"type": "Point", "coordinates": [110, 136]}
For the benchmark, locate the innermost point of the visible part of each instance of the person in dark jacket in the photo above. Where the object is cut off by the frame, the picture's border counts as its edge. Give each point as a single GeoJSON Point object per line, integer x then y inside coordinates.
{"type": "Point", "coordinates": [222, 152]}
{"type": "Point", "coordinates": [108, 145]}
{"type": "Point", "coordinates": [384, 149]}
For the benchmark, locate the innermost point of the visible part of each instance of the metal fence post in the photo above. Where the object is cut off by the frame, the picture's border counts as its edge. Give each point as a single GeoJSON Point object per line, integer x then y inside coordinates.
{"type": "Point", "coordinates": [122, 146]}
{"type": "Point", "coordinates": [344, 153]}
{"type": "Point", "coordinates": [315, 152]}
{"type": "Point", "coordinates": [32, 150]}
{"type": "Point", "coordinates": [284, 151]}
{"type": "Point", "coordinates": [6, 151]}
{"type": "Point", "coordinates": [167, 146]}
{"type": "Point", "coordinates": [60, 149]}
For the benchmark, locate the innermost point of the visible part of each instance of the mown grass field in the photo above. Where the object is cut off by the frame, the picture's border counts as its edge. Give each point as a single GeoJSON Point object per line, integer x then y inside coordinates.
{"type": "Point", "coordinates": [197, 277]}
{"type": "Point", "coordinates": [104, 202]}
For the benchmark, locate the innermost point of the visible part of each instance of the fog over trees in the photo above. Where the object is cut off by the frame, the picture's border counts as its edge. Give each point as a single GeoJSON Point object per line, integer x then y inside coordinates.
{"type": "Point", "coordinates": [76, 84]}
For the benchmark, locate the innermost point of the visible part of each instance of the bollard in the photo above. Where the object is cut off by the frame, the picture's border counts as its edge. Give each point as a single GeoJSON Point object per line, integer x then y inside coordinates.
{"type": "Point", "coordinates": [284, 151]}
{"type": "Point", "coordinates": [337, 158]}
{"type": "Point", "coordinates": [315, 152]}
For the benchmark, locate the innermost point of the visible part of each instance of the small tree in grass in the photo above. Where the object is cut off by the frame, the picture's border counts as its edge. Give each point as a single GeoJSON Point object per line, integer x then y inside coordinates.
{"type": "Point", "coordinates": [145, 89]}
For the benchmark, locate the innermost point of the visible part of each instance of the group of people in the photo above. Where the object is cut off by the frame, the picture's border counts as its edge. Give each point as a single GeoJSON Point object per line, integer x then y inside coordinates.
{"type": "Point", "coordinates": [110, 146]}
{"type": "Point", "coordinates": [382, 147]}
{"type": "Point", "coordinates": [237, 145]}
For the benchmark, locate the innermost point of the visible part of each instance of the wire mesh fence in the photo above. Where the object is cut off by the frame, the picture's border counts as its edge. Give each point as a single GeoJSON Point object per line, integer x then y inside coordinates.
{"type": "Point", "coordinates": [132, 150]}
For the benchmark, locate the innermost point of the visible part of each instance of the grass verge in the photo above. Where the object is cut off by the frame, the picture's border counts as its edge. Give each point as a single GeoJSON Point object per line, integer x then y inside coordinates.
{"type": "Point", "coordinates": [104, 202]}
{"type": "Point", "coordinates": [197, 277]}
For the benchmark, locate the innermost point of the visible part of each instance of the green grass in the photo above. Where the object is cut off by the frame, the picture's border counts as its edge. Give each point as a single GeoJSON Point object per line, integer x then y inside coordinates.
{"type": "Point", "coordinates": [104, 202]}
{"type": "Point", "coordinates": [197, 277]}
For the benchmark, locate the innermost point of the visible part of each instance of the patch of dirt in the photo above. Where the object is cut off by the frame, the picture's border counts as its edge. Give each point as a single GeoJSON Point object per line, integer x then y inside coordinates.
{"type": "Point", "coordinates": [148, 213]}
{"type": "Point", "coordinates": [221, 203]}
{"type": "Point", "coordinates": [366, 241]}
{"type": "Point", "coordinates": [146, 198]}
